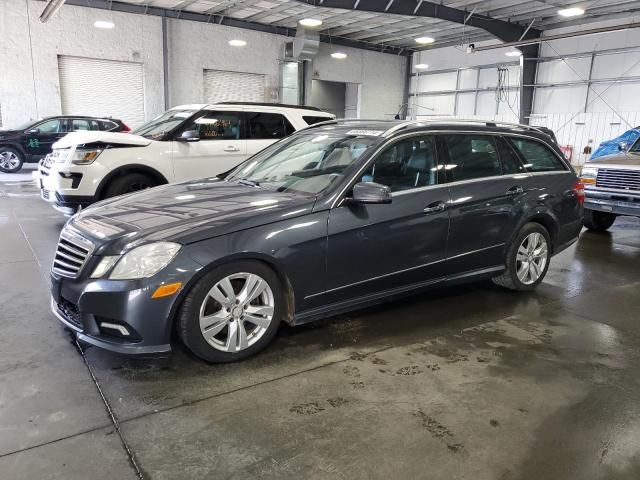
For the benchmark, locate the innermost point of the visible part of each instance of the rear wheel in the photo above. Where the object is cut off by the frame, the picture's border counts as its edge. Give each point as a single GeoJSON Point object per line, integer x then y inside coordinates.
{"type": "Point", "coordinates": [598, 221]}
{"type": "Point", "coordinates": [527, 259]}
{"type": "Point", "coordinates": [129, 183]}
{"type": "Point", "coordinates": [232, 312]}
{"type": "Point", "coordinates": [11, 160]}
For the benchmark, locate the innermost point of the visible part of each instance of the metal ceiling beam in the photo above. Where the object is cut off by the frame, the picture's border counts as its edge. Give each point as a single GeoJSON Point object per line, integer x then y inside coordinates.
{"type": "Point", "coordinates": [142, 9]}
{"type": "Point", "coordinates": [505, 31]}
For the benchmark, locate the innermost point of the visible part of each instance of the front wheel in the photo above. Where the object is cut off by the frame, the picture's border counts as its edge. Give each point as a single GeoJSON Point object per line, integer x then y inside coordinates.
{"type": "Point", "coordinates": [128, 183]}
{"type": "Point", "coordinates": [232, 312]}
{"type": "Point", "coordinates": [598, 221]}
{"type": "Point", "coordinates": [527, 259]}
{"type": "Point", "coordinates": [11, 160]}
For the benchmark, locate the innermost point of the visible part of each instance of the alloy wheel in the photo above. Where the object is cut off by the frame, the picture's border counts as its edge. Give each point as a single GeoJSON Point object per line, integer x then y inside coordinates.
{"type": "Point", "coordinates": [236, 312]}
{"type": "Point", "coordinates": [531, 258]}
{"type": "Point", "coordinates": [9, 160]}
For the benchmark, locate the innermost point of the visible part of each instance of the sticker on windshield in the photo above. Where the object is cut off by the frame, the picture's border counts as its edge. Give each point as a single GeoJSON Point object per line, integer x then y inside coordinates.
{"type": "Point", "coordinates": [371, 133]}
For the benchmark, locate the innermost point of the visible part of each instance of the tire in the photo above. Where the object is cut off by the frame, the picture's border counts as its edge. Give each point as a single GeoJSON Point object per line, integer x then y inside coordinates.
{"type": "Point", "coordinates": [11, 160]}
{"type": "Point", "coordinates": [226, 318]}
{"type": "Point", "coordinates": [512, 278]}
{"type": "Point", "coordinates": [128, 183]}
{"type": "Point", "coordinates": [598, 221]}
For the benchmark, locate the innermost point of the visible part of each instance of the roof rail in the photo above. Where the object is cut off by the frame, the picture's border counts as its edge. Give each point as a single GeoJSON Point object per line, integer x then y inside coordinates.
{"type": "Point", "coordinates": [488, 123]}
{"type": "Point", "coordinates": [265, 104]}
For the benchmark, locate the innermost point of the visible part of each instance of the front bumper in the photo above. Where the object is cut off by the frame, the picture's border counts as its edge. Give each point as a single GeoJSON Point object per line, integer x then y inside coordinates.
{"type": "Point", "coordinates": [616, 203]}
{"type": "Point", "coordinates": [67, 188]}
{"type": "Point", "coordinates": [120, 315]}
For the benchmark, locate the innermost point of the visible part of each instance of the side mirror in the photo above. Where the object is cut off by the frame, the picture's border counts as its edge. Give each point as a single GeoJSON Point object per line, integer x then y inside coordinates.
{"type": "Point", "coordinates": [622, 146]}
{"type": "Point", "coordinates": [189, 136]}
{"type": "Point", "coordinates": [33, 131]}
{"type": "Point", "coordinates": [371, 192]}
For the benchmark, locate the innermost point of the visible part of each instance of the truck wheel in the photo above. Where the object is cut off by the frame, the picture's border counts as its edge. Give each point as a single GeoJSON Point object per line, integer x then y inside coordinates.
{"type": "Point", "coordinates": [11, 160]}
{"type": "Point", "coordinates": [598, 221]}
{"type": "Point", "coordinates": [128, 183]}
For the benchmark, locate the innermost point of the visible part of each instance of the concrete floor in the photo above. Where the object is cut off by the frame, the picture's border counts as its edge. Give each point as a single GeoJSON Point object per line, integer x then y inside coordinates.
{"type": "Point", "coordinates": [472, 382]}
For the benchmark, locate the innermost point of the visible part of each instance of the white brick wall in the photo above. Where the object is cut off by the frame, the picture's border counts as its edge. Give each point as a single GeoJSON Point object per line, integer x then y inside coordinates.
{"type": "Point", "coordinates": [193, 46]}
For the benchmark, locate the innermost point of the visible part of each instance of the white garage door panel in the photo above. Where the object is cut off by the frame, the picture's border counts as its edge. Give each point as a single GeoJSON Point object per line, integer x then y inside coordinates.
{"type": "Point", "coordinates": [222, 86]}
{"type": "Point", "coordinates": [102, 88]}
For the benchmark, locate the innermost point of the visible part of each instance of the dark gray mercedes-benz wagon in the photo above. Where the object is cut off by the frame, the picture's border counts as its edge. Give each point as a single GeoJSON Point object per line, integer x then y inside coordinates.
{"type": "Point", "coordinates": [335, 217]}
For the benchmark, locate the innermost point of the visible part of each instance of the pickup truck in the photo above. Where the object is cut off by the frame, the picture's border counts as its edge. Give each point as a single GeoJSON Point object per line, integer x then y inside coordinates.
{"type": "Point", "coordinates": [612, 187]}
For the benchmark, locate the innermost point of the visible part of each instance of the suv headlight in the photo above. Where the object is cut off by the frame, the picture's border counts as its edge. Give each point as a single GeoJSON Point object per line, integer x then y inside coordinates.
{"type": "Point", "coordinates": [589, 175]}
{"type": "Point", "coordinates": [84, 156]}
{"type": "Point", "coordinates": [141, 262]}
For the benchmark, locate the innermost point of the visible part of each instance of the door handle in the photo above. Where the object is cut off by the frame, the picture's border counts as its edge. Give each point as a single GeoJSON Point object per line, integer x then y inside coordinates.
{"type": "Point", "coordinates": [435, 207]}
{"type": "Point", "coordinates": [517, 190]}
{"type": "Point", "coordinates": [231, 149]}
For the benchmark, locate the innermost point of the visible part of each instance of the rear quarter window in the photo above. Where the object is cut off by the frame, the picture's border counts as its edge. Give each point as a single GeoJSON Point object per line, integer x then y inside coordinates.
{"type": "Point", "coordinates": [537, 157]}
{"type": "Point", "coordinates": [311, 120]}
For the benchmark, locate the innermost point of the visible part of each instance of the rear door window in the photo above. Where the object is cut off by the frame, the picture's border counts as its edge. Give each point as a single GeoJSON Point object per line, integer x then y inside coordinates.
{"type": "Point", "coordinates": [267, 126]}
{"type": "Point", "coordinates": [471, 156]}
{"type": "Point", "coordinates": [80, 124]}
{"type": "Point", "coordinates": [537, 157]}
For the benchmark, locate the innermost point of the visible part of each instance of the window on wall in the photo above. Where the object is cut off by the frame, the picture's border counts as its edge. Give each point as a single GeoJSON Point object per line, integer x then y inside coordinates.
{"type": "Point", "coordinates": [471, 156]}
{"type": "Point", "coordinates": [407, 164]}
{"type": "Point", "coordinates": [537, 157]}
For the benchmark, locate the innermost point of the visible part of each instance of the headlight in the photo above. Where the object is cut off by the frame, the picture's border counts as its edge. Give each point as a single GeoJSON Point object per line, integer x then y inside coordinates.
{"type": "Point", "coordinates": [588, 175]}
{"type": "Point", "coordinates": [145, 261]}
{"type": "Point", "coordinates": [104, 266]}
{"type": "Point", "coordinates": [85, 156]}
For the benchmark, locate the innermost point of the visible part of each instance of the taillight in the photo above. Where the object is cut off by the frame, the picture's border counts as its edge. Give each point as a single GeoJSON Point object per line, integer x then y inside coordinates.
{"type": "Point", "coordinates": [578, 189]}
{"type": "Point", "coordinates": [125, 128]}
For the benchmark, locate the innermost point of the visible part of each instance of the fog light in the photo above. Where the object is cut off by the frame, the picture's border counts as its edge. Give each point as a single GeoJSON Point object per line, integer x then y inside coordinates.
{"type": "Point", "coordinates": [166, 290]}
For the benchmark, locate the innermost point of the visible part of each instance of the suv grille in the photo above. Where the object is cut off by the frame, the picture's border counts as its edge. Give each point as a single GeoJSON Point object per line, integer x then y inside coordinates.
{"type": "Point", "coordinates": [71, 254]}
{"type": "Point", "coordinates": [618, 178]}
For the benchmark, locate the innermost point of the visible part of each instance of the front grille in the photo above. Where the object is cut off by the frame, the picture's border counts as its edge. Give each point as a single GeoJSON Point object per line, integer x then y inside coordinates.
{"type": "Point", "coordinates": [618, 178]}
{"type": "Point", "coordinates": [45, 194]}
{"type": "Point", "coordinates": [72, 253]}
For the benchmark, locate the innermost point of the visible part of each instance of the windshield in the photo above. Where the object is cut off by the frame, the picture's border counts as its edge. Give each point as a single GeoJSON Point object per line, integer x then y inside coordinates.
{"type": "Point", "coordinates": [305, 164]}
{"type": "Point", "coordinates": [636, 147]}
{"type": "Point", "coordinates": [157, 128]}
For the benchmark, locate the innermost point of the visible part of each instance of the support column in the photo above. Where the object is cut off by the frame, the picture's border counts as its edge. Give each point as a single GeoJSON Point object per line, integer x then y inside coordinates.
{"type": "Point", "coordinates": [165, 61]}
{"type": "Point", "coordinates": [528, 69]}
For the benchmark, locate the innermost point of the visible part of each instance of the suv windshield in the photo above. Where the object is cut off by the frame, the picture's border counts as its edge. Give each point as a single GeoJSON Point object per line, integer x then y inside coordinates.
{"type": "Point", "coordinates": [305, 164]}
{"type": "Point", "coordinates": [160, 126]}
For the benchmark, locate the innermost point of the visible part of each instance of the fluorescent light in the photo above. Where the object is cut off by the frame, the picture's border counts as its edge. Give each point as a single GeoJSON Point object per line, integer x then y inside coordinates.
{"type": "Point", "coordinates": [425, 40]}
{"type": "Point", "coordinates": [422, 66]}
{"type": "Point", "coordinates": [237, 43]}
{"type": "Point", "coordinates": [339, 55]}
{"type": "Point", "coordinates": [571, 12]}
{"type": "Point", "coordinates": [310, 22]}
{"type": "Point", "coordinates": [103, 24]}
{"type": "Point", "coordinates": [513, 53]}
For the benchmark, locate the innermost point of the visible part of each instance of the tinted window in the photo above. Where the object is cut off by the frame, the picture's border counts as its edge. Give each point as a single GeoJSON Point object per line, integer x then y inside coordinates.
{"type": "Point", "coordinates": [268, 126]}
{"type": "Point", "coordinates": [105, 125]}
{"type": "Point", "coordinates": [216, 126]}
{"type": "Point", "coordinates": [510, 162]}
{"type": "Point", "coordinates": [537, 157]}
{"type": "Point", "coordinates": [50, 126]}
{"type": "Point", "coordinates": [80, 124]}
{"type": "Point", "coordinates": [311, 120]}
{"type": "Point", "coordinates": [407, 164]}
{"type": "Point", "coordinates": [471, 156]}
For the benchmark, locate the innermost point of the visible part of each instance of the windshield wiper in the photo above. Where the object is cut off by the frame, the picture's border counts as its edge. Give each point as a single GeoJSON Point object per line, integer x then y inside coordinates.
{"type": "Point", "coordinates": [251, 183]}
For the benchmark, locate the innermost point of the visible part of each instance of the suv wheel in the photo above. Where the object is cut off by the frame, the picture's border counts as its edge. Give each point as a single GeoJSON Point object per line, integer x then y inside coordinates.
{"type": "Point", "coordinates": [598, 221]}
{"type": "Point", "coordinates": [128, 183]}
{"type": "Point", "coordinates": [232, 312]}
{"type": "Point", "coordinates": [527, 259]}
{"type": "Point", "coordinates": [11, 160]}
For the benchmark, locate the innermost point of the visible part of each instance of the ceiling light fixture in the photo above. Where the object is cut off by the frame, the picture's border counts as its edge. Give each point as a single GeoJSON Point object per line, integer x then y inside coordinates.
{"type": "Point", "coordinates": [339, 55]}
{"type": "Point", "coordinates": [571, 12]}
{"type": "Point", "coordinates": [310, 22]}
{"type": "Point", "coordinates": [103, 24]}
{"type": "Point", "coordinates": [425, 40]}
{"type": "Point", "coordinates": [422, 66]}
{"type": "Point", "coordinates": [237, 43]}
{"type": "Point", "coordinates": [513, 53]}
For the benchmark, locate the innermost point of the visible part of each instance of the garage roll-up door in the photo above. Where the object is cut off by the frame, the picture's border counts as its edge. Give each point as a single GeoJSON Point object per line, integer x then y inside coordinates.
{"type": "Point", "coordinates": [220, 86]}
{"type": "Point", "coordinates": [102, 88]}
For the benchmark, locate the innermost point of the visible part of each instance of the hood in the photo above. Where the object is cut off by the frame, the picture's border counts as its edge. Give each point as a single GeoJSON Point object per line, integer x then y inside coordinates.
{"type": "Point", "coordinates": [185, 213]}
{"type": "Point", "coordinates": [84, 137]}
{"type": "Point", "coordinates": [4, 133]}
{"type": "Point", "coordinates": [622, 160]}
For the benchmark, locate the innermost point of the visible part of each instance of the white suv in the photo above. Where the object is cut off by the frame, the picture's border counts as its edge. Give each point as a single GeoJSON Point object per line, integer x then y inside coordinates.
{"type": "Point", "coordinates": [185, 143]}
